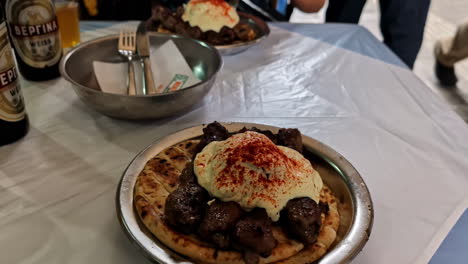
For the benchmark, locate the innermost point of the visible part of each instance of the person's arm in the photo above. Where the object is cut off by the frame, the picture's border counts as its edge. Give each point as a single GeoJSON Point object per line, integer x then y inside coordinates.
{"type": "Point", "coordinates": [308, 6]}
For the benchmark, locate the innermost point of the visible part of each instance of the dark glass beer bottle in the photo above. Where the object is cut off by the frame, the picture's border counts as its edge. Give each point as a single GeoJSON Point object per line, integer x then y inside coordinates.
{"type": "Point", "coordinates": [14, 122]}
{"type": "Point", "coordinates": [35, 37]}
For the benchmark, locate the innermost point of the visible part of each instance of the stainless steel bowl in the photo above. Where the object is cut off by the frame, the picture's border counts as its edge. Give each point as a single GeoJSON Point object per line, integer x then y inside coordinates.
{"type": "Point", "coordinates": [257, 24]}
{"type": "Point", "coordinates": [355, 204]}
{"type": "Point", "coordinates": [77, 67]}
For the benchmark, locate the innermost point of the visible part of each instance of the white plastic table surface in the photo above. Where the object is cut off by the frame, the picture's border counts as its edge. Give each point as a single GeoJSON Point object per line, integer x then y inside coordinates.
{"type": "Point", "coordinates": [335, 83]}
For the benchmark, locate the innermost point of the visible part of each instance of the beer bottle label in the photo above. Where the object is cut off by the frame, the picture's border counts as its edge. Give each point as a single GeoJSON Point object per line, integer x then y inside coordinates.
{"type": "Point", "coordinates": [34, 31]}
{"type": "Point", "coordinates": [11, 99]}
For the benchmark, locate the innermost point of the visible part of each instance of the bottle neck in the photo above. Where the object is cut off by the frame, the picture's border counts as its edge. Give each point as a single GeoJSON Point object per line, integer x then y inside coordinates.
{"type": "Point", "coordinates": [2, 12]}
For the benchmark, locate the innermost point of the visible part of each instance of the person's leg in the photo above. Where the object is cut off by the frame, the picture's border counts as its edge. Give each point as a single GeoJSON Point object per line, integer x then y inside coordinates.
{"type": "Point", "coordinates": [402, 24]}
{"type": "Point", "coordinates": [448, 52]}
{"type": "Point", "coordinates": [344, 11]}
{"type": "Point", "coordinates": [451, 50]}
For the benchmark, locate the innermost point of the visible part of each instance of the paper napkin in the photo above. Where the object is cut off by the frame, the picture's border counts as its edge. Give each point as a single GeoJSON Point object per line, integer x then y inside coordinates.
{"type": "Point", "coordinates": [170, 72]}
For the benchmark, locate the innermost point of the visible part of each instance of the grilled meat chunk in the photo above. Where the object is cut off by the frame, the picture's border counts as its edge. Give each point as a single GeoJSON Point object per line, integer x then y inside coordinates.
{"type": "Point", "coordinates": [218, 222]}
{"type": "Point", "coordinates": [227, 35]}
{"type": "Point", "coordinates": [212, 132]}
{"type": "Point", "coordinates": [188, 175]}
{"type": "Point", "coordinates": [251, 257]}
{"type": "Point", "coordinates": [160, 13]}
{"type": "Point", "coordinates": [196, 33]}
{"type": "Point", "coordinates": [214, 38]}
{"type": "Point", "coordinates": [301, 218]}
{"type": "Point", "coordinates": [254, 233]}
{"type": "Point", "coordinates": [185, 207]}
{"type": "Point", "coordinates": [244, 32]}
{"type": "Point", "coordinates": [170, 22]}
{"type": "Point", "coordinates": [291, 138]}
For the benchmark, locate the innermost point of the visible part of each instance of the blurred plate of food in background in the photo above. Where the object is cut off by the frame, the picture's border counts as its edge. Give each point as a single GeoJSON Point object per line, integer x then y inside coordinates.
{"type": "Point", "coordinates": [212, 21]}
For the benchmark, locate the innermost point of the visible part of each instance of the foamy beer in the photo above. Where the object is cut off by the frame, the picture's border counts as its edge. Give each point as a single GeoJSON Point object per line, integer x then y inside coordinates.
{"type": "Point", "coordinates": [69, 22]}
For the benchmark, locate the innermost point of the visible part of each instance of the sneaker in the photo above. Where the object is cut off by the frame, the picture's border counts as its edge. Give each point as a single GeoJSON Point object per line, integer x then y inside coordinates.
{"type": "Point", "coordinates": [445, 74]}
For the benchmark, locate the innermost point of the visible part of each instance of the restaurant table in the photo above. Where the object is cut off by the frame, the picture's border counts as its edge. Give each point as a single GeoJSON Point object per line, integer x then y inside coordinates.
{"type": "Point", "coordinates": [336, 83]}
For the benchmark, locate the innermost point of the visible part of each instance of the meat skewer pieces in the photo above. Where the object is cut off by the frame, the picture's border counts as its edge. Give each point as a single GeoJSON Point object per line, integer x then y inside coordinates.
{"type": "Point", "coordinates": [173, 22]}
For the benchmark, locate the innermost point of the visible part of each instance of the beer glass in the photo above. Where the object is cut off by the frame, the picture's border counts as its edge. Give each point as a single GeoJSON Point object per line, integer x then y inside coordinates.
{"type": "Point", "coordinates": [69, 22]}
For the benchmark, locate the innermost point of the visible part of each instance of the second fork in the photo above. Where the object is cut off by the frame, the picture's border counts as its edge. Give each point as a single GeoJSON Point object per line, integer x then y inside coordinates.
{"type": "Point", "coordinates": [127, 47]}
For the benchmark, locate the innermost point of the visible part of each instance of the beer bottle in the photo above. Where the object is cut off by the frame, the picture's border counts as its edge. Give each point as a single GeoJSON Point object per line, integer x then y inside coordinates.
{"type": "Point", "coordinates": [14, 122]}
{"type": "Point", "coordinates": [36, 38]}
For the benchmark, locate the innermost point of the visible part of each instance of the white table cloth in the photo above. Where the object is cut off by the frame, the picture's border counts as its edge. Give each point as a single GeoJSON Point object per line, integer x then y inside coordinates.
{"type": "Point", "coordinates": [335, 83]}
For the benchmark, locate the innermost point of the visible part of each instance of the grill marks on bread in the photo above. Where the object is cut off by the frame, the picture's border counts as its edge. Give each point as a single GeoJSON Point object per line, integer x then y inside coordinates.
{"type": "Point", "coordinates": [169, 164]}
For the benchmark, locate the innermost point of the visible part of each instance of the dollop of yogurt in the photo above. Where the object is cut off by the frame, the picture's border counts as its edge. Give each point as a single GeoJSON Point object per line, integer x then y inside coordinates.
{"type": "Point", "coordinates": [210, 15]}
{"type": "Point", "coordinates": [248, 168]}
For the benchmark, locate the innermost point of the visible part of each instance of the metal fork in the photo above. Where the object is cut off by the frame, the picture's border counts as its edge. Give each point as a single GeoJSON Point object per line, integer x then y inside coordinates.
{"type": "Point", "coordinates": [127, 46]}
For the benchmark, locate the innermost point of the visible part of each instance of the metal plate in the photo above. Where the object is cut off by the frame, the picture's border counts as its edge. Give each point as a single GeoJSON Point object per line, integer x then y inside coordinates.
{"type": "Point", "coordinates": [356, 211]}
{"type": "Point", "coordinates": [262, 29]}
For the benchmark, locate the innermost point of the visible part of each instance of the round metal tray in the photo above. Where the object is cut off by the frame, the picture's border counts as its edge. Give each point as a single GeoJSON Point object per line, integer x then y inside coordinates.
{"type": "Point", "coordinates": [355, 204]}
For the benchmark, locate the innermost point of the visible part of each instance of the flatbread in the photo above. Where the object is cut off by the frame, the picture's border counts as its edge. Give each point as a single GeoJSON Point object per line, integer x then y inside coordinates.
{"type": "Point", "coordinates": [160, 177]}
{"type": "Point", "coordinates": [167, 166]}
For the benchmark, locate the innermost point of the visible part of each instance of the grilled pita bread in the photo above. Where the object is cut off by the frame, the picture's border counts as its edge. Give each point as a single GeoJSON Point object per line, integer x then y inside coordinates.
{"type": "Point", "coordinates": [160, 177]}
